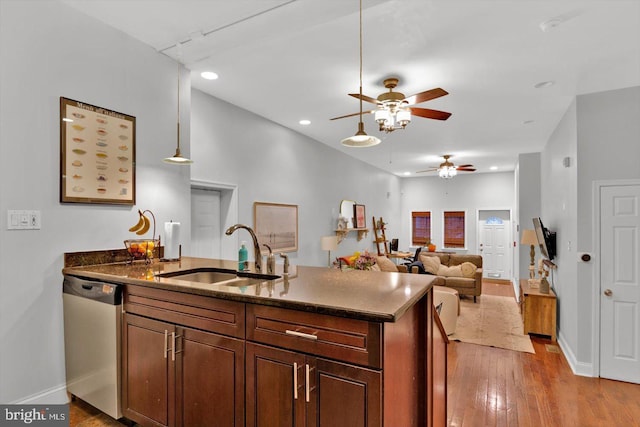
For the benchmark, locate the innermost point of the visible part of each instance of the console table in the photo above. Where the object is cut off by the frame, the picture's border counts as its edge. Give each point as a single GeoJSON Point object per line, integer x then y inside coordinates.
{"type": "Point", "coordinates": [538, 310]}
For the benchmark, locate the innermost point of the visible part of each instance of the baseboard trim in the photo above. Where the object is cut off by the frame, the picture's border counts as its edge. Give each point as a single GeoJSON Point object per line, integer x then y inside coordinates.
{"type": "Point", "coordinates": [579, 368]}
{"type": "Point", "coordinates": [56, 395]}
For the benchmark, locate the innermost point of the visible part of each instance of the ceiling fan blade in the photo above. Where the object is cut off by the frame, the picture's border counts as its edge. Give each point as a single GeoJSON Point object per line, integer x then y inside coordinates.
{"type": "Point", "coordinates": [364, 98]}
{"type": "Point", "coordinates": [351, 115]}
{"type": "Point", "coordinates": [426, 96]}
{"type": "Point", "coordinates": [430, 114]}
{"type": "Point", "coordinates": [466, 169]}
{"type": "Point", "coordinates": [428, 170]}
{"type": "Point", "coordinates": [465, 166]}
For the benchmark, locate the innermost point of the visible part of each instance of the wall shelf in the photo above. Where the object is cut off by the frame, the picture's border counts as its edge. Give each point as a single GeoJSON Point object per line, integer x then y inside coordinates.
{"type": "Point", "coordinates": [342, 233]}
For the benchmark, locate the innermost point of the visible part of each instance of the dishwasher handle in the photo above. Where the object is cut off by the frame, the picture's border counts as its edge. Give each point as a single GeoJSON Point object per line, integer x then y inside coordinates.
{"type": "Point", "coordinates": [107, 293]}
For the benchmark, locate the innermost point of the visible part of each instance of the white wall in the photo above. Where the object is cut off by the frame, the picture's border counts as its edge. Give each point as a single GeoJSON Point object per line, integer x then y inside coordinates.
{"type": "Point", "coordinates": [271, 163]}
{"type": "Point", "coordinates": [48, 50]}
{"type": "Point", "coordinates": [468, 192]}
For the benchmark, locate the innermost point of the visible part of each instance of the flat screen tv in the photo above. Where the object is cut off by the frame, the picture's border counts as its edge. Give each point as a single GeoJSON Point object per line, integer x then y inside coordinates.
{"type": "Point", "coordinates": [546, 239]}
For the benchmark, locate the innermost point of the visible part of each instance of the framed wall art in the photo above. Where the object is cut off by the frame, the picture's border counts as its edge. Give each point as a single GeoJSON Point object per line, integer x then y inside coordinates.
{"type": "Point", "coordinates": [359, 217]}
{"type": "Point", "coordinates": [97, 154]}
{"type": "Point", "coordinates": [276, 225]}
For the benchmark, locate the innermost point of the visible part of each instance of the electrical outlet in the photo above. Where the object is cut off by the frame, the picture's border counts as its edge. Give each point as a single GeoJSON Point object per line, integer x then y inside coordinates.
{"type": "Point", "coordinates": [23, 220]}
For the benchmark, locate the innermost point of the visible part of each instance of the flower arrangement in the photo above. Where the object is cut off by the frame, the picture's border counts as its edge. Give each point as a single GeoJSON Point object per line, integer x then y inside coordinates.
{"type": "Point", "coordinates": [363, 261]}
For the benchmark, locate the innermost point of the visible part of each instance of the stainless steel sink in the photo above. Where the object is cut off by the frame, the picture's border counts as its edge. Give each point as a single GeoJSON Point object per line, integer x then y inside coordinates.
{"type": "Point", "coordinates": [216, 276]}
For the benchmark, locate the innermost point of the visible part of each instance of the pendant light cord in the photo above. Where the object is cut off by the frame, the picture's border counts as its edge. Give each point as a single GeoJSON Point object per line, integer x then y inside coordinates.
{"type": "Point", "coordinates": [360, 61]}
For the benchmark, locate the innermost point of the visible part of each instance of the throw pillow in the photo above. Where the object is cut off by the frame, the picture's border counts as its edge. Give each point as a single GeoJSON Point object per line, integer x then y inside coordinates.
{"type": "Point", "coordinates": [386, 264]}
{"type": "Point", "coordinates": [468, 269]}
{"type": "Point", "coordinates": [431, 263]}
{"type": "Point", "coordinates": [375, 267]}
{"type": "Point", "coordinates": [453, 271]}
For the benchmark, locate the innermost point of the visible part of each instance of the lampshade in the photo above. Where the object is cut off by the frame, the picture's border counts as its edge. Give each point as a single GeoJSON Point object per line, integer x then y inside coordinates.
{"type": "Point", "coordinates": [329, 243]}
{"type": "Point", "coordinates": [529, 238]}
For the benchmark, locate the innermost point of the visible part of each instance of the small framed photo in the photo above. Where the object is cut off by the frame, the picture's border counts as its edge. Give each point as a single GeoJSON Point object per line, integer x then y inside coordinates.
{"type": "Point", "coordinates": [359, 216]}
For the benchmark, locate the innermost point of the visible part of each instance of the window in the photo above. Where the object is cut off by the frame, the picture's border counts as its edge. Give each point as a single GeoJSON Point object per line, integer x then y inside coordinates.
{"type": "Point", "coordinates": [454, 229]}
{"type": "Point", "coordinates": [420, 228]}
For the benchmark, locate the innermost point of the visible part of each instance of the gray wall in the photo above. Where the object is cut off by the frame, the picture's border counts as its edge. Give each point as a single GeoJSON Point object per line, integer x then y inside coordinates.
{"type": "Point", "coordinates": [528, 186]}
{"type": "Point", "coordinates": [600, 134]}
{"type": "Point", "coordinates": [271, 163]}
{"type": "Point", "coordinates": [48, 50]}
{"type": "Point", "coordinates": [468, 192]}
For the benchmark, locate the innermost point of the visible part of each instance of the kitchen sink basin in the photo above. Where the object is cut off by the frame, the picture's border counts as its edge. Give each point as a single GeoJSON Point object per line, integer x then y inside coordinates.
{"type": "Point", "coordinates": [217, 276]}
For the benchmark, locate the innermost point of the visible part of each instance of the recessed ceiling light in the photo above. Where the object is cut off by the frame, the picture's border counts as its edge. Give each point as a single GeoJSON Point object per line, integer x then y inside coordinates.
{"type": "Point", "coordinates": [305, 122]}
{"type": "Point", "coordinates": [407, 173]}
{"type": "Point", "coordinates": [544, 84]}
{"type": "Point", "coordinates": [494, 168]}
{"type": "Point", "coordinates": [209, 75]}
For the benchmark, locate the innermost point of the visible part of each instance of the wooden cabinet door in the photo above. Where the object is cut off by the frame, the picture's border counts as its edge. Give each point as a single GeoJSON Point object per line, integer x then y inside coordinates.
{"type": "Point", "coordinates": [147, 372]}
{"type": "Point", "coordinates": [209, 379]}
{"type": "Point", "coordinates": [275, 395]}
{"type": "Point", "coordinates": [343, 395]}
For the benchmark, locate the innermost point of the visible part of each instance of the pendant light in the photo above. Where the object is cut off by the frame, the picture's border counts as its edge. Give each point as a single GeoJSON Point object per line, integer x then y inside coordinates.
{"type": "Point", "coordinates": [360, 139]}
{"type": "Point", "coordinates": [178, 159]}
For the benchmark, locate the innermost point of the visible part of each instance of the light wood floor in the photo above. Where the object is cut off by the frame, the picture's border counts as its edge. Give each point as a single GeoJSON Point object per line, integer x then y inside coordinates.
{"type": "Point", "coordinates": [495, 387]}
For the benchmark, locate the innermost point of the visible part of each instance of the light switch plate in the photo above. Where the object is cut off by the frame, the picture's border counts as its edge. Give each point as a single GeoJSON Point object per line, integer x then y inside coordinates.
{"type": "Point", "coordinates": [23, 220]}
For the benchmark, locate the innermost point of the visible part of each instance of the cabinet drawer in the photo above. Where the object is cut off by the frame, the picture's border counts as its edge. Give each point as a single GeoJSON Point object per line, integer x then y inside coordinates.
{"type": "Point", "coordinates": [209, 314]}
{"type": "Point", "coordinates": [349, 340]}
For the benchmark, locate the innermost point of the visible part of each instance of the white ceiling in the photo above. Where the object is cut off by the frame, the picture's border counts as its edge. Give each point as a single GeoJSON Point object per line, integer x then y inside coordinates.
{"type": "Point", "coordinates": [298, 59]}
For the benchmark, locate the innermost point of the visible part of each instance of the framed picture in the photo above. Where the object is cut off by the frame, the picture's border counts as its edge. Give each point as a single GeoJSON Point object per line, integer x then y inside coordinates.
{"type": "Point", "coordinates": [276, 225]}
{"type": "Point", "coordinates": [359, 217]}
{"type": "Point", "coordinates": [97, 155]}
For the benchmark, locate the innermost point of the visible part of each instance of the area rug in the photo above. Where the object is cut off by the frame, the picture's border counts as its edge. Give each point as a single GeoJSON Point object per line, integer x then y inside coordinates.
{"type": "Point", "coordinates": [493, 321]}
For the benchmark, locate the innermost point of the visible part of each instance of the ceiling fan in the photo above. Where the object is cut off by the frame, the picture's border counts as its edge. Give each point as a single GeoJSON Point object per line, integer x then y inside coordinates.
{"type": "Point", "coordinates": [394, 109]}
{"type": "Point", "coordinates": [448, 169]}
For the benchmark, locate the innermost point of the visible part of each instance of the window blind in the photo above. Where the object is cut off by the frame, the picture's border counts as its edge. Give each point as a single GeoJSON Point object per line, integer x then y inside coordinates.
{"type": "Point", "coordinates": [420, 228]}
{"type": "Point", "coordinates": [454, 229]}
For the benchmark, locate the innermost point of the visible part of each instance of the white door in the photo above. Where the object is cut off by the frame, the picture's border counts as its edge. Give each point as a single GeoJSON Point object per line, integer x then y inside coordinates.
{"type": "Point", "coordinates": [494, 246]}
{"type": "Point", "coordinates": [205, 223]}
{"type": "Point", "coordinates": [620, 282]}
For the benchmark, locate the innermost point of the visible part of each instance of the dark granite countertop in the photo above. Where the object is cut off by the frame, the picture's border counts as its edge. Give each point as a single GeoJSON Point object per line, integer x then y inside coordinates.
{"type": "Point", "coordinates": [364, 295]}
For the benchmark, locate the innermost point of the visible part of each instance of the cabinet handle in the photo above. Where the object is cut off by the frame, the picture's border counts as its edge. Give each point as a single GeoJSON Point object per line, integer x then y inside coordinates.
{"type": "Point", "coordinates": [173, 346]}
{"type": "Point", "coordinates": [166, 341]}
{"type": "Point", "coordinates": [301, 334]}
{"type": "Point", "coordinates": [306, 381]}
{"type": "Point", "coordinates": [295, 380]}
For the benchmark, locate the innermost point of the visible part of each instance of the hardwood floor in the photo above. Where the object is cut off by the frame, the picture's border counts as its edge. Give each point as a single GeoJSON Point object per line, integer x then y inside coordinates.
{"type": "Point", "coordinates": [495, 387]}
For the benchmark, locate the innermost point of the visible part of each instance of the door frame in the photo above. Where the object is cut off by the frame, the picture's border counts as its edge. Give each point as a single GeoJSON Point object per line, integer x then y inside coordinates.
{"type": "Point", "coordinates": [595, 280]}
{"type": "Point", "coordinates": [511, 246]}
{"type": "Point", "coordinates": [228, 212]}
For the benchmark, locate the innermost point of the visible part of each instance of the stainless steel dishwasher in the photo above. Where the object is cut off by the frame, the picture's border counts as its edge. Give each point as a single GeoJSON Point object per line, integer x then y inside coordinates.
{"type": "Point", "coordinates": [92, 331]}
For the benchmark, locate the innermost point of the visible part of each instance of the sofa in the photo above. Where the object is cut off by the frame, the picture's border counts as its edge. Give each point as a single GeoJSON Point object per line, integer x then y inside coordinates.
{"type": "Point", "coordinates": [461, 272]}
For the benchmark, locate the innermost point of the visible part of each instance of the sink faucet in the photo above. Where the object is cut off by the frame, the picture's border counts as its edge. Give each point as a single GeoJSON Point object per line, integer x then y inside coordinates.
{"type": "Point", "coordinates": [256, 247]}
{"type": "Point", "coordinates": [286, 262]}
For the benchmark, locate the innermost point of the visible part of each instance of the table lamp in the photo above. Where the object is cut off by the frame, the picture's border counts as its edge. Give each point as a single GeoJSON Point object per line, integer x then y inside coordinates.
{"type": "Point", "coordinates": [329, 243]}
{"type": "Point", "coordinates": [529, 238]}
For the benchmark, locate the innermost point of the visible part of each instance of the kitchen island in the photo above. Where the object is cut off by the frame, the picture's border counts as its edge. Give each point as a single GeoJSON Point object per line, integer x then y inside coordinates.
{"type": "Point", "coordinates": [314, 347]}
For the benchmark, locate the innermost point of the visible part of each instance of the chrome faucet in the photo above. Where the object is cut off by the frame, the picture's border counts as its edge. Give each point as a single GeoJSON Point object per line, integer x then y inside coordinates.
{"type": "Point", "coordinates": [286, 262]}
{"type": "Point", "coordinates": [256, 247]}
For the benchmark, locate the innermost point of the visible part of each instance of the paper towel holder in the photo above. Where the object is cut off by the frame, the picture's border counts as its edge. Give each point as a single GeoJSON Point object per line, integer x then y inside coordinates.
{"type": "Point", "coordinates": [165, 257]}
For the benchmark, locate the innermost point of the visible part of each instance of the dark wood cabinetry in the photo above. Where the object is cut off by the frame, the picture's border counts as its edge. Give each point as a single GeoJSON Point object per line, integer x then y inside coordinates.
{"type": "Point", "coordinates": [175, 375]}
{"type": "Point", "coordinates": [286, 388]}
{"type": "Point", "coordinates": [191, 360]}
